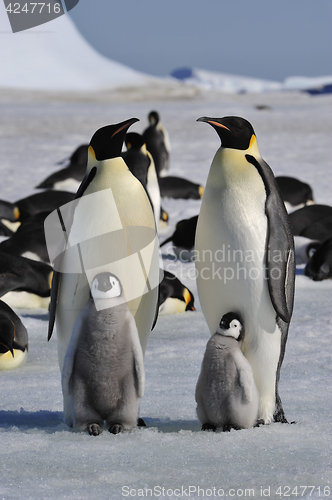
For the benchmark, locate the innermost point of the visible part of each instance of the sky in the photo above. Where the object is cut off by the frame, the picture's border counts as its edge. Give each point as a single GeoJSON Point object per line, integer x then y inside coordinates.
{"type": "Point", "coordinates": [257, 38]}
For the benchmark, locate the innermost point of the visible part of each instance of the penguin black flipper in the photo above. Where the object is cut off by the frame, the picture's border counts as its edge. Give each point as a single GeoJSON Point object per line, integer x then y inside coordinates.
{"type": "Point", "coordinates": [9, 282]}
{"type": "Point", "coordinates": [57, 275]}
{"type": "Point", "coordinates": [280, 267]}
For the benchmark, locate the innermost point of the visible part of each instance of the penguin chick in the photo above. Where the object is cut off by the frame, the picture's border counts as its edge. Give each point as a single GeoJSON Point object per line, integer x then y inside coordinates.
{"type": "Point", "coordinates": [13, 339]}
{"type": "Point", "coordinates": [103, 372]}
{"type": "Point", "coordinates": [156, 143]}
{"type": "Point", "coordinates": [70, 177]}
{"type": "Point", "coordinates": [174, 297]}
{"type": "Point", "coordinates": [226, 393]}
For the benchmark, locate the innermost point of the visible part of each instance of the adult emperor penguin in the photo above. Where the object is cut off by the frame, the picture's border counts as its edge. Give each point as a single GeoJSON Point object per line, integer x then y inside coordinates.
{"type": "Point", "coordinates": [13, 339]}
{"type": "Point", "coordinates": [245, 255]}
{"type": "Point", "coordinates": [141, 164]}
{"type": "Point", "coordinates": [103, 372]}
{"type": "Point", "coordinates": [226, 394]}
{"type": "Point", "coordinates": [157, 142]}
{"type": "Point", "coordinates": [111, 228]}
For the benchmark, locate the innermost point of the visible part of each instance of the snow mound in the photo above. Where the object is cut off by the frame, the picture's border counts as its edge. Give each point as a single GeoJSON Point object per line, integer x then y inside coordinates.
{"type": "Point", "coordinates": [233, 84]}
{"type": "Point", "coordinates": [57, 57]}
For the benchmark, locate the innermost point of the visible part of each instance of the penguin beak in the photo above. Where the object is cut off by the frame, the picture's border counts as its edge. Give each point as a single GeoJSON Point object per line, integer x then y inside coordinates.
{"type": "Point", "coordinates": [125, 125]}
{"type": "Point", "coordinates": [212, 122]}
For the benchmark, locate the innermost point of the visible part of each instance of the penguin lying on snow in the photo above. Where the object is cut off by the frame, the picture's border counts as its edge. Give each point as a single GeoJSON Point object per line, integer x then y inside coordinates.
{"type": "Point", "coordinates": [245, 255]}
{"type": "Point", "coordinates": [294, 192]}
{"type": "Point", "coordinates": [319, 266]}
{"type": "Point", "coordinates": [226, 394]}
{"type": "Point", "coordinates": [174, 297]}
{"type": "Point", "coordinates": [157, 143]}
{"type": "Point", "coordinates": [70, 177]}
{"type": "Point", "coordinates": [103, 372]}
{"type": "Point", "coordinates": [313, 221]}
{"type": "Point", "coordinates": [47, 201]}
{"type": "Point", "coordinates": [24, 283]}
{"type": "Point", "coordinates": [9, 214]}
{"type": "Point", "coordinates": [29, 240]}
{"type": "Point", "coordinates": [183, 239]}
{"type": "Point", "coordinates": [305, 249]}
{"type": "Point", "coordinates": [177, 187]}
{"type": "Point", "coordinates": [13, 339]}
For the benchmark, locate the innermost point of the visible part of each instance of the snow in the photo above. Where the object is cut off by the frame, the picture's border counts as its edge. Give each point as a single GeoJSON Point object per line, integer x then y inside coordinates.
{"type": "Point", "coordinates": [234, 84]}
{"type": "Point", "coordinates": [56, 56]}
{"type": "Point", "coordinates": [40, 457]}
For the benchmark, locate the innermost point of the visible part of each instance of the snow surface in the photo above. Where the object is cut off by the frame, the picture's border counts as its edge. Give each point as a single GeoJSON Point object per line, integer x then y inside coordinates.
{"type": "Point", "coordinates": [40, 457]}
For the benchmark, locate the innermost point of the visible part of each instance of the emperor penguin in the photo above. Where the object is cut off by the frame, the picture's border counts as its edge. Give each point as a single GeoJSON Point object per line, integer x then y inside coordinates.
{"type": "Point", "coordinates": [70, 177]}
{"type": "Point", "coordinates": [103, 372]}
{"type": "Point", "coordinates": [245, 255]}
{"type": "Point", "coordinates": [109, 228]}
{"type": "Point", "coordinates": [141, 164]}
{"type": "Point", "coordinates": [226, 393]}
{"type": "Point", "coordinates": [157, 143]}
{"type": "Point", "coordinates": [13, 339]}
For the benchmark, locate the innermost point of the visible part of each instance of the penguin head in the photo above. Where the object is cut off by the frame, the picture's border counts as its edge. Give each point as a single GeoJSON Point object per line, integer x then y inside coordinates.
{"type": "Point", "coordinates": [106, 286]}
{"type": "Point", "coordinates": [231, 326]}
{"type": "Point", "coordinates": [234, 132]}
{"type": "Point", "coordinates": [134, 141]}
{"type": "Point", "coordinates": [106, 142]}
{"type": "Point", "coordinates": [7, 334]}
{"type": "Point", "coordinates": [153, 118]}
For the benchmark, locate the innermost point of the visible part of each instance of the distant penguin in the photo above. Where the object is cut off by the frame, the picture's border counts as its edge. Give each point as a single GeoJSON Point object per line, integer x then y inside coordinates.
{"type": "Point", "coordinates": [174, 297]}
{"type": "Point", "coordinates": [245, 255]}
{"type": "Point", "coordinates": [141, 164]}
{"type": "Point", "coordinates": [24, 283]}
{"type": "Point", "coordinates": [157, 143]}
{"type": "Point", "coordinates": [319, 267]}
{"type": "Point", "coordinates": [9, 215]}
{"type": "Point", "coordinates": [109, 228]}
{"type": "Point", "coordinates": [312, 221]}
{"type": "Point", "coordinates": [103, 372]}
{"type": "Point", "coordinates": [163, 222]}
{"type": "Point", "coordinates": [29, 240]}
{"type": "Point", "coordinates": [70, 177]}
{"type": "Point", "coordinates": [304, 249]}
{"type": "Point", "coordinates": [178, 187]}
{"type": "Point", "coordinates": [13, 339]}
{"type": "Point", "coordinates": [183, 239]}
{"type": "Point", "coordinates": [226, 393]}
{"type": "Point", "coordinates": [295, 193]}
{"type": "Point", "coordinates": [46, 201]}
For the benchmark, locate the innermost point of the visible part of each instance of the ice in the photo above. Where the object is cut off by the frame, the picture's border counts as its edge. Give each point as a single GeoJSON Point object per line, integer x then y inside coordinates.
{"type": "Point", "coordinates": [40, 457]}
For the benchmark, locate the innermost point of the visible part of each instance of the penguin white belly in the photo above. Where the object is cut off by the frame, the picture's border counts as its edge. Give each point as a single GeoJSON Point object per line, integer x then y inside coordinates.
{"type": "Point", "coordinates": [25, 300]}
{"type": "Point", "coordinates": [231, 271]}
{"type": "Point", "coordinates": [172, 306]}
{"type": "Point", "coordinates": [69, 184]}
{"type": "Point", "coordinates": [8, 362]}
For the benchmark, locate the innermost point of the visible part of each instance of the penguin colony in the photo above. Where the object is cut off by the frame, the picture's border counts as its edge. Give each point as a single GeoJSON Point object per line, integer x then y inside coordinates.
{"type": "Point", "coordinates": [238, 384]}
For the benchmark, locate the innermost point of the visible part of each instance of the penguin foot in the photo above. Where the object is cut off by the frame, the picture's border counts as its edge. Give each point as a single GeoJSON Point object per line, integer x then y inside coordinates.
{"type": "Point", "coordinates": [141, 423]}
{"type": "Point", "coordinates": [209, 427]}
{"type": "Point", "coordinates": [259, 422]}
{"type": "Point", "coordinates": [116, 428]}
{"type": "Point", "coordinates": [94, 429]}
